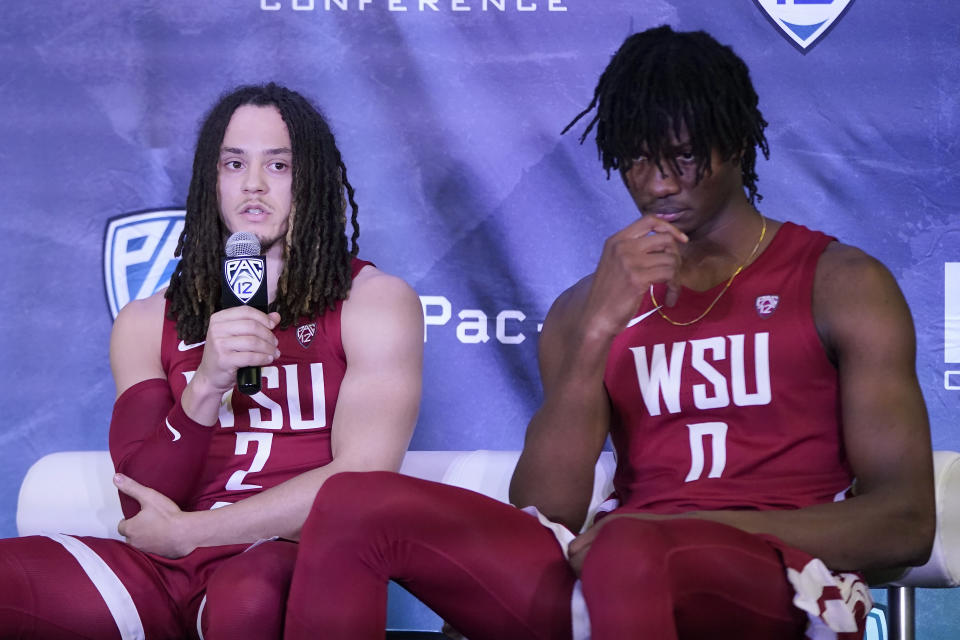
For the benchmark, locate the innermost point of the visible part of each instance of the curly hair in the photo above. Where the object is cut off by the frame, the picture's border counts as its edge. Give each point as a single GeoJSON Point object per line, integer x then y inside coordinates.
{"type": "Point", "coordinates": [317, 263]}
{"type": "Point", "coordinates": [662, 81]}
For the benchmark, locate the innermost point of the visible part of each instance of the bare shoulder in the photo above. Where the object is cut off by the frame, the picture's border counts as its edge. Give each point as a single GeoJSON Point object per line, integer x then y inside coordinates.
{"type": "Point", "coordinates": [374, 290]}
{"type": "Point", "coordinates": [381, 309]}
{"type": "Point", "coordinates": [847, 275]}
{"type": "Point", "coordinates": [140, 319]}
{"type": "Point", "coordinates": [144, 309]}
{"type": "Point", "coordinates": [855, 297]}
{"type": "Point", "coordinates": [841, 260]}
{"type": "Point", "coordinates": [560, 327]}
{"type": "Point", "coordinates": [135, 342]}
{"type": "Point", "coordinates": [564, 313]}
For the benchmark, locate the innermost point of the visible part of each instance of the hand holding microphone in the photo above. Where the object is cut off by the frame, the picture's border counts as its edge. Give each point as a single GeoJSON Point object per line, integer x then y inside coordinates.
{"type": "Point", "coordinates": [244, 282]}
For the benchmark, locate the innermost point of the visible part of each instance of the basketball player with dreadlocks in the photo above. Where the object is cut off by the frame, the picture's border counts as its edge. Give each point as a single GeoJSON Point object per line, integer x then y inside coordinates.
{"type": "Point", "coordinates": [206, 471]}
{"type": "Point", "coordinates": [747, 371]}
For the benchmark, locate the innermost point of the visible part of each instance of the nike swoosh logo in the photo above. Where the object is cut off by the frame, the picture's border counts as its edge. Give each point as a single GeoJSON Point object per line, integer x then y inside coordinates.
{"type": "Point", "coordinates": [642, 316]}
{"type": "Point", "coordinates": [176, 434]}
{"type": "Point", "coordinates": [183, 346]}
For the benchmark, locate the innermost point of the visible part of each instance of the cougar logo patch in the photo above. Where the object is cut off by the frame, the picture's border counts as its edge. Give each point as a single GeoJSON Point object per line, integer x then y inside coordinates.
{"type": "Point", "coordinates": [766, 305]}
{"type": "Point", "coordinates": [305, 334]}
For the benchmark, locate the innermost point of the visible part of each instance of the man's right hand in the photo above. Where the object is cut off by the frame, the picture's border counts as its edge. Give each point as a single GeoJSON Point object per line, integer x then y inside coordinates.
{"type": "Point", "coordinates": [645, 252]}
{"type": "Point", "coordinates": [555, 470]}
{"type": "Point", "coordinates": [236, 337]}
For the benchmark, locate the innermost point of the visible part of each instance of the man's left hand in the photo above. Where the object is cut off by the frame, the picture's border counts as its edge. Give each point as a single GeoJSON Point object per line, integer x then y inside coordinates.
{"type": "Point", "coordinates": [158, 526]}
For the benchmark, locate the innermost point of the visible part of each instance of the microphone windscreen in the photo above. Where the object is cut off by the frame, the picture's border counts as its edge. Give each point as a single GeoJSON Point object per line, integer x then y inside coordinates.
{"type": "Point", "coordinates": [242, 244]}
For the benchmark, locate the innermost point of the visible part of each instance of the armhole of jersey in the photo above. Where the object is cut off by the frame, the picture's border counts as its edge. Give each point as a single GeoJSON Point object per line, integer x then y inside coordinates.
{"type": "Point", "coordinates": [332, 322]}
{"type": "Point", "coordinates": [166, 336]}
{"type": "Point", "coordinates": [815, 250]}
{"type": "Point", "coordinates": [356, 264]}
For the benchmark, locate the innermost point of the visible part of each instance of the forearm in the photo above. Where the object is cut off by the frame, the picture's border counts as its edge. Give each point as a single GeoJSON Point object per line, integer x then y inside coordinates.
{"type": "Point", "coordinates": [279, 511]}
{"type": "Point", "coordinates": [201, 400]}
{"type": "Point", "coordinates": [555, 471]}
{"type": "Point", "coordinates": [861, 533]}
{"type": "Point", "coordinates": [154, 442]}
{"type": "Point", "coordinates": [563, 440]}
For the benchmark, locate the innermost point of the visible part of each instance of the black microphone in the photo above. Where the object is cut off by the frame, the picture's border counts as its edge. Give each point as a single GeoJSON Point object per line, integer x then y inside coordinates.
{"type": "Point", "coordinates": [244, 283]}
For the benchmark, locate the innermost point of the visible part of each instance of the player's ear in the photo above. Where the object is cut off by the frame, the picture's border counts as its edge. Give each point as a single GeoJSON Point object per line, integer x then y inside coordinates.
{"type": "Point", "coordinates": [738, 156]}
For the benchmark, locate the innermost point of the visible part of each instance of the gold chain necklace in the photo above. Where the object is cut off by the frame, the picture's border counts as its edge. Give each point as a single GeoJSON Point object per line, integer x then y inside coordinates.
{"type": "Point", "coordinates": [659, 307]}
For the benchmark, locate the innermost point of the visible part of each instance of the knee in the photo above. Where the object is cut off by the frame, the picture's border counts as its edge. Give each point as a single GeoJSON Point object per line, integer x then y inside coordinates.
{"type": "Point", "coordinates": [249, 593]}
{"type": "Point", "coordinates": [634, 534]}
{"type": "Point", "coordinates": [249, 575]}
{"type": "Point", "coordinates": [249, 606]}
{"type": "Point", "coordinates": [246, 597]}
{"type": "Point", "coordinates": [339, 492]}
{"type": "Point", "coordinates": [357, 500]}
{"type": "Point", "coordinates": [626, 550]}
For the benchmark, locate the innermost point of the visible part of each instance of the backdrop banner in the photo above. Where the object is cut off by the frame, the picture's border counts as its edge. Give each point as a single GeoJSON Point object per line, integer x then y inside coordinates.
{"type": "Point", "coordinates": [449, 114]}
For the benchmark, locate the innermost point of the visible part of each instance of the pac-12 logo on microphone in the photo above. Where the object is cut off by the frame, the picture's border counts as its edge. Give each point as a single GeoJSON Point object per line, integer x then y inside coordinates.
{"type": "Point", "coordinates": [803, 22]}
{"type": "Point", "coordinates": [244, 275]}
{"type": "Point", "coordinates": [138, 253]}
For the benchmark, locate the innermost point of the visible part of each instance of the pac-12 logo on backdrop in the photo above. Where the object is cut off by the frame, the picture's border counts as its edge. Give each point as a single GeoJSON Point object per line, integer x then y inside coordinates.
{"type": "Point", "coordinates": [951, 325]}
{"type": "Point", "coordinates": [803, 22]}
{"type": "Point", "coordinates": [138, 253]}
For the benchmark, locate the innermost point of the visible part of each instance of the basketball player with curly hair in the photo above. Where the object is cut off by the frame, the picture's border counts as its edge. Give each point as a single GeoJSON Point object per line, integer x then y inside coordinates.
{"type": "Point", "coordinates": [216, 484]}
{"type": "Point", "coordinates": [757, 380]}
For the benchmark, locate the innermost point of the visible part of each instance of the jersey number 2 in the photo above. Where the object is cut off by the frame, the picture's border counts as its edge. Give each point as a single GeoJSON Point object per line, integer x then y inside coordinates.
{"type": "Point", "coordinates": [235, 482]}
{"type": "Point", "coordinates": [264, 442]}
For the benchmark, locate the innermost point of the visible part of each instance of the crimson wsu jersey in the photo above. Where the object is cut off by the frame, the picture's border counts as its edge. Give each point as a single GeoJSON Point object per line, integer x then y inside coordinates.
{"type": "Point", "coordinates": [738, 410]}
{"type": "Point", "coordinates": [262, 440]}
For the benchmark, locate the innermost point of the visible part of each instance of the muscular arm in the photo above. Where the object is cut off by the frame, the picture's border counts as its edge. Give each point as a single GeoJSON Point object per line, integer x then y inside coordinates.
{"type": "Point", "coordinates": [565, 436]}
{"type": "Point", "coordinates": [140, 442]}
{"type": "Point", "coordinates": [147, 420]}
{"type": "Point", "coordinates": [866, 325]}
{"type": "Point", "coordinates": [382, 333]}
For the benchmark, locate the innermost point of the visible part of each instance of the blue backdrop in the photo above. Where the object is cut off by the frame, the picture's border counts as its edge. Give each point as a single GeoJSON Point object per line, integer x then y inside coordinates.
{"type": "Point", "coordinates": [448, 113]}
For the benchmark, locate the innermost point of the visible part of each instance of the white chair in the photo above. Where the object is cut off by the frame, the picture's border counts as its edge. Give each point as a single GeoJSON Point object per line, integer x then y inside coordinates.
{"type": "Point", "coordinates": [72, 492]}
{"type": "Point", "coordinates": [943, 568]}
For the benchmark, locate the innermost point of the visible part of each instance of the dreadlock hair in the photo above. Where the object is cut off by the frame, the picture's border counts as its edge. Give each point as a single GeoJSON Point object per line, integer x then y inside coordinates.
{"type": "Point", "coordinates": [660, 81]}
{"type": "Point", "coordinates": [316, 263]}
